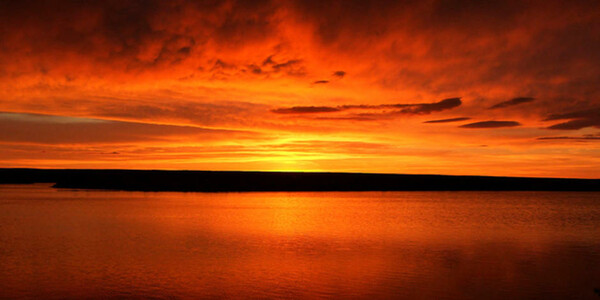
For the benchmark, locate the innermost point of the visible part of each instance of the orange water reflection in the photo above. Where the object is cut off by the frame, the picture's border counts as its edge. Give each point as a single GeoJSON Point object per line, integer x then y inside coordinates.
{"type": "Point", "coordinates": [453, 245]}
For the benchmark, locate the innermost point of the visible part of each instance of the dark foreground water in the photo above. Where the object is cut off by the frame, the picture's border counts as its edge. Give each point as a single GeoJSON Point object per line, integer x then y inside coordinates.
{"type": "Point", "coordinates": [413, 245]}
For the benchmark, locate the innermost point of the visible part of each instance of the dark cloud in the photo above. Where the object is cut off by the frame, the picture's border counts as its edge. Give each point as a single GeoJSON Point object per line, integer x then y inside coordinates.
{"type": "Point", "coordinates": [577, 120]}
{"type": "Point", "coordinates": [305, 110]}
{"type": "Point", "coordinates": [427, 108]}
{"type": "Point", "coordinates": [334, 21]}
{"type": "Point", "coordinates": [286, 64]}
{"type": "Point", "coordinates": [491, 124]}
{"type": "Point", "coordinates": [223, 69]}
{"type": "Point", "coordinates": [46, 129]}
{"type": "Point", "coordinates": [268, 61]}
{"type": "Point", "coordinates": [241, 23]}
{"type": "Point", "coordinates": [577, 138]}
{"type": "Point", "coordinates": [339, 74]}
{"type": "Point", "coordinates": [350, 118]}
{"type": "Point", "coordinates": [130, 35]}
{"type": "Point", "coordinates": [412, 109]}
{"type": "Point", "coordinates": [266, 68]}
{"type": "Point", "coordinates": [102, 30]}
{"type": "Point", "coordinates": [575, 124]}
{"type": "Point", "coordinates": [255, 69]}
{"type": "Point", "coordinates": [542, 48]}
{"type": "Point", "coordinates": [512, 102]}
{"type": "Point", "coordinates": [475, 15]}
{"type": "Point", "coordinates": [321, 82]}
{"type": "Point", "coordinates": [575, 115]}
{"type": "Point", "coordinates": [554, 41]}
{"type": "Point", "coordinates": [175, 50]}
{"type": "Point", "coordinates": [448, 120]}
{"type": "Point", "coordinates": [415, 109]}
{"type": "Point", "coordinates": [203, 114]}
{"type": "Point", "coordinates": [221, 65]}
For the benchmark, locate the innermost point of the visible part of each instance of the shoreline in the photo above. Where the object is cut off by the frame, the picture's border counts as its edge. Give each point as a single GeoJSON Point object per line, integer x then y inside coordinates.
{"type": "Point", "coordinates": [252, 181]}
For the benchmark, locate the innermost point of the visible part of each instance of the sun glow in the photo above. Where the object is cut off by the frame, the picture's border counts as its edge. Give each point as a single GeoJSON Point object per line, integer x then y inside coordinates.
{"type": "Point", "coordinates": [283, 86]}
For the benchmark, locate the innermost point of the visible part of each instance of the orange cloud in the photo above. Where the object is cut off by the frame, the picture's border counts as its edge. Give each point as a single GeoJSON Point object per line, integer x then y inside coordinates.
{"type": "Point", "coordinates": [149, 79]}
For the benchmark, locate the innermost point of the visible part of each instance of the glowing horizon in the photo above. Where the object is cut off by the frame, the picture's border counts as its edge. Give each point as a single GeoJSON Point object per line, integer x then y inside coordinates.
{"type": "Point", "coordinates": [432, 87]}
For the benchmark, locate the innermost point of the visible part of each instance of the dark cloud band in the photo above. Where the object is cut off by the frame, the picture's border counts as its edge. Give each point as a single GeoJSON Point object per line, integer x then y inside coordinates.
{"type": "Point", "coordinates": [411, 109]}
{"type": "Point", "coordinates": [577, 120]}
{"type": "Point", "coordinates": [491, 124]}
{"type": "Point", "coordinates": [512, 102]}
{"type": "Point", "coordinates": [448, 120]}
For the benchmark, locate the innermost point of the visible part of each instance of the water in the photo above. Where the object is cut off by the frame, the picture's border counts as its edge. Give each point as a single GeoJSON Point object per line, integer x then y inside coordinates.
{"type": "Point", "coordinates": [412, 245]}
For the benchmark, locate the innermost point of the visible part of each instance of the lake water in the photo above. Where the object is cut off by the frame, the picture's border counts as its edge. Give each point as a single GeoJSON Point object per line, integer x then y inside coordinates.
{"type": "Point", "coordinates": [413, 245]}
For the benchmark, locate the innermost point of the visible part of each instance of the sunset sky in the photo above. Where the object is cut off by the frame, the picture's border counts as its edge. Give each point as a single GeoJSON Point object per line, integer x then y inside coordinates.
{"type": "Point", "coordinates": [422, 87]}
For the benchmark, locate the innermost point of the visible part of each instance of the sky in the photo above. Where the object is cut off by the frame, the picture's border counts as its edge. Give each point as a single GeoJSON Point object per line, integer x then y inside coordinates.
{"type": "Point", "coordinates": [505, 88]}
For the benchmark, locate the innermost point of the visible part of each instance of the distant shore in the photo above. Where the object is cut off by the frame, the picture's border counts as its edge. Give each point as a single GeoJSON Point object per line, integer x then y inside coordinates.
{"type": "Point", "coordinates": [232, 181]}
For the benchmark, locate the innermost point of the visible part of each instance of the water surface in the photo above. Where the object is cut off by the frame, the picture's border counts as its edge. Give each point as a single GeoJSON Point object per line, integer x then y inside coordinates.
{"type": "Point", "coordinates": [414, 245]}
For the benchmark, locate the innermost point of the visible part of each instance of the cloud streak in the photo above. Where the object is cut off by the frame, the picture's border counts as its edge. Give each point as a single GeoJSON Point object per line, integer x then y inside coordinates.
{"type": "Point", "coordinates": [306, 70]}
{"type": "Point", "coordinates": [396, 109]}
{"type": "Point", "coordinates": [448, 120]}
{"type": "Point", "coordinates": [46, 129]}
{"type": "Point", "coordinates": [306, 110]}
{"type": "Point", "coordinates": [577, 120]}
{"type": "Point", "coordinates": [512, 102]}
{"type": "Point", "coordinates": [577, 138]}
{"type": "Point", "coordinates": [491, 124]}
{"type": "Point", "coordinates": [339, 74]}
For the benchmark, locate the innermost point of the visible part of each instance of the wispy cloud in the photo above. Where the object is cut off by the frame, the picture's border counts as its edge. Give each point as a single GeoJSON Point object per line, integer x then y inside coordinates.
{"type": "Point", "coordinates": [577, 120]}
{"type": "Point", "coordinates": [491, 124]}
{"type": "Point", "coordinates": [286, 64]}
{"type": "Point", "coordinates": [306, 110]}
{"type": "Point", "coordinates": [512, 102]}
{"type": "Point", "coordinates": [448, 120]}
{"type": "Point", "coordinates": [577, 138]}
{"type": "Point", "coordinates": [394, 109]}
{"type": "Point", "coordinates": [261, 66]}
{"type": "Point", "coordinates": [46, 129]}
{"type": "Point", "coordinates": [339, 74]}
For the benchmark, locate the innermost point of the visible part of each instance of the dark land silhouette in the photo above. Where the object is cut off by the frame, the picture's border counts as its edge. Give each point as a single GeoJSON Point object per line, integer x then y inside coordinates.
{"type": "Point", "coordinates": [230, 181]}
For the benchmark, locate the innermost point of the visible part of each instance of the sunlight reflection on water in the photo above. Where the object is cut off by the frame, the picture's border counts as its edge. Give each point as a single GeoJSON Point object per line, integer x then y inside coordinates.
{"type": "Point", "coordinates": [413, 245]}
